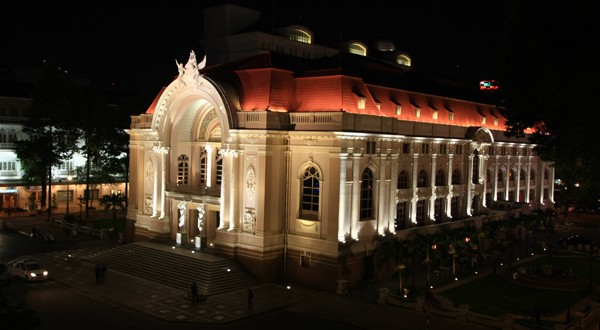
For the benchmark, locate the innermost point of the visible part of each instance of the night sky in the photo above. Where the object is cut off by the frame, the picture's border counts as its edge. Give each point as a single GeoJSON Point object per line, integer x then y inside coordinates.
{"type": "Point", "coordinates": [135, 47]}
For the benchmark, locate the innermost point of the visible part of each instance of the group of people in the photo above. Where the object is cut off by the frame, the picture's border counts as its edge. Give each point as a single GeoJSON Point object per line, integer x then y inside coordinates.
{"type": "Point", "coordinates": [100, 273]}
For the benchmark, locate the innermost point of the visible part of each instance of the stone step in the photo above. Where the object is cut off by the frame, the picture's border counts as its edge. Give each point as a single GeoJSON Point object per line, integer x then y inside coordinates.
{"type": "Point", "coordinates": [176, 267]}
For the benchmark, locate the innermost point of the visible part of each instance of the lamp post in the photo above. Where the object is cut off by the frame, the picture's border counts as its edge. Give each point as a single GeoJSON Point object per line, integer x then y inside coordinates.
{"type": "Point", "coordinates": [452, 252]}
{"type": "Point", "coordinates": [69, 178]}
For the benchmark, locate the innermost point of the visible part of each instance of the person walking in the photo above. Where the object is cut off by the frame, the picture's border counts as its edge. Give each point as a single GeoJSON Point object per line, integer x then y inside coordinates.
{"type": "Point", "coordinates": [97, 270]}
{"type": "Point", "coordinates": [250, 299]}
{"type": "Point", "coordinates": [194, 291]}
{"type": "Point", "coordinates": [102, 273]}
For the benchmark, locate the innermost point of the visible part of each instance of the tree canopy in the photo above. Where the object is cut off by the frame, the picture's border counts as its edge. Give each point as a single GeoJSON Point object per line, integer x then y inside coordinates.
{"type": "Point", "coordinates": [549, 67]}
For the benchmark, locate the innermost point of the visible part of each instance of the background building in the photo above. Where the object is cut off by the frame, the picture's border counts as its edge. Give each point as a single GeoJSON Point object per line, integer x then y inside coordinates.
{"type": "Point", "coordinates": [67, 188]}
{"type": "Point", "coordinates": [281, 153]}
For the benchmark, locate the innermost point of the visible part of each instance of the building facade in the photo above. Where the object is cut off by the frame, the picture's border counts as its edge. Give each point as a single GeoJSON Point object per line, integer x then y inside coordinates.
{"type": "Point", "coordinates": [282, 150]}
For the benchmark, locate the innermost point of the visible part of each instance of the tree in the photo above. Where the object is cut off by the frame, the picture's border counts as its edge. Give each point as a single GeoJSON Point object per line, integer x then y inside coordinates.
{"type": "Point", "coordinates": [49, 140]}
{"type": "Point", "coordinates": [550, 67]}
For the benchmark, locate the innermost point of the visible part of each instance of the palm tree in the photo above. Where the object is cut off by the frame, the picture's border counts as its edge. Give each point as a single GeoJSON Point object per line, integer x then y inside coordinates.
{"type": "Point", "coordinates": [393, 251]}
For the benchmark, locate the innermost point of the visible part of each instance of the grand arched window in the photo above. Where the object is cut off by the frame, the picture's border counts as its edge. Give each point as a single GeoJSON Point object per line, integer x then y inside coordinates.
{"type": "Point", "coordinates": [182, 169]}
{"type": "Point", "coordinates": [311, 192]}
{"type": "Point", "coordinates": [366, 195]}
{"type": "Point", "coordinates": [402, 180]}
{"type": "Point", "coordinates": [203, 167]}
{"type": "Point", "coordinates": [219, 169]}
{"type": "Point", "coordinates": [475, 167]}
{"type": "Point", "coordinates": [440, 178]}
{"type": "Point", "coordinates": [422, 179]}
{"type": "Point", "coordinates": [456, 177]}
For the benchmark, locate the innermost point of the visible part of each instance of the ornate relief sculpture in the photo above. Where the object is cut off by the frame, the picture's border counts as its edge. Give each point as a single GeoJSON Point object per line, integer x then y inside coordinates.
{"type": "Point", "coordinates": [250, 181]}
{"type": "Point", "coordinates": [201, 212]}
{"type": "Point", "coordinates": [182, 209]}
{"type": "Point", "coordinates": [149, 170]}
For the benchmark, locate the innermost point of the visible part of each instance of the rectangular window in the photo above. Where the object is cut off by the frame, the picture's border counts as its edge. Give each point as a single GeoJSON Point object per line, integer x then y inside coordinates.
{"type": "Point", "coordinates": [442, 149]}
{"type": "Point", "coordinates": [94, 194]}
{"type": "Point", "coordinates": [458, 150]}
{"type": "Point", "coordinates": [406, 148]}
{"type": "Point", "coordinates": [451, 116]}
{"type": "Point", "coordinates": [492, 151]}
{"type": "Point", "coordinates": [401, 208]}
{"type": "Point", "coordinates": [305, 261]}
{"type": "Point", "coordinates": [435, 114]}
{"type": "Point", "coordinates": [398, 110]}
{"type": "Point", "coordinates": [371, 147]}
{"type": "Point", "coordinates": [378, 105]}
{"type": "Point", "coordinates": [495, 121]}
{"type": "Point", "coordinates": [64, 195]}
{"type": "Point", "coordinates": [483, 121]}
{"type": "Point", "coordinates": [425, 148]}
{"type": "Point", "coordinates": [417, 112]}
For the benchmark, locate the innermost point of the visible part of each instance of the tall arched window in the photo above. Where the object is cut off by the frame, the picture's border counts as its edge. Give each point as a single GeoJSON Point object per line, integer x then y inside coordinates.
{"type": "Point", "coordinates": [511, 177]}
{"type": "Point", "coordinates": [456, 177]}
{"type": "Point", "coordinates": [311, 191]}
{"type": "Point", "coordinates": [203, 167]}
{"type": "Point", "coordinates": [422, 179]}
{"type": "Point", "coordinates": [182, 169]}
{"type": "Point", "coordinates": [440, 178]}
{"type": "Point", "coordinates": [402, 180]}
{"type": "Point", "coordinates": [500, 179]}
{"type": "Point", "coordinates": [366, 195]}
{"type": "Point", "coordinates": [475, 167]}
{"type": "Point", "coordinates": [219, 169]}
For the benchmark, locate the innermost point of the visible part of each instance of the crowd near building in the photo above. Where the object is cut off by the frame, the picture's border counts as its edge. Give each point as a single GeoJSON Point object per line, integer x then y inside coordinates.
{"type": "Point", "coordinates": [274, 150]}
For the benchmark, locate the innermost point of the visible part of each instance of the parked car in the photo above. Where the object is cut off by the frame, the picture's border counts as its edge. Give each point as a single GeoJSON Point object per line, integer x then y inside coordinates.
{"type": "Point", "coordinates": [28, 269]}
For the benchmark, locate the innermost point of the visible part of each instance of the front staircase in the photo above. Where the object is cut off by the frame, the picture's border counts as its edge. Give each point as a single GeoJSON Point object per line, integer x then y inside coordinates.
{"type": "Point", "coordinates": [176, 267]}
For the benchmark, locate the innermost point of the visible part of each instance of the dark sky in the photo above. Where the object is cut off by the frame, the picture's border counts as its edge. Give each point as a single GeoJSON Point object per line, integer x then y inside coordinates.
{"type": "Point", "coordinates": [136, 46]}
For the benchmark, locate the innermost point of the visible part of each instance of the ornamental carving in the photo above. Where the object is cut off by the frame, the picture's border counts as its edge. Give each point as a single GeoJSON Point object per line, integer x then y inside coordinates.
{"type": "Point", "coordinates": [149, 170]}
{"type": "Point", "coordinates": [250, 181]}
{"type": "Point", "coordinates": [249, 221]}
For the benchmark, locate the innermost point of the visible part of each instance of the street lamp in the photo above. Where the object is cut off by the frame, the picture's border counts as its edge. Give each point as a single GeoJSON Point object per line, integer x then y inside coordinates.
{"type": "Point", "coordinates": [452, 252]}
{"type": "Point", "coordinates": [69, 178]}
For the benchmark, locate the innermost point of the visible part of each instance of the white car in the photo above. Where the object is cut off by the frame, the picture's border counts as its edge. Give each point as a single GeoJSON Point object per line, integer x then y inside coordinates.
{"type": "Point", "coordinates": [28, 269]}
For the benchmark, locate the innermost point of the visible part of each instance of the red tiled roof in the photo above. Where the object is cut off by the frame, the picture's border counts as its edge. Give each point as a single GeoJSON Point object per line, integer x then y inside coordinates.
{"type": "Point", "coordinates": [152, 106]}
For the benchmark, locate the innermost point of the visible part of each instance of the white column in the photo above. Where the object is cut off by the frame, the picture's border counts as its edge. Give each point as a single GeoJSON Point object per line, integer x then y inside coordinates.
{"type": "Point", "coordinates": [224, 221]}
{"type": "Point", "coordinates": [355, 195]}
{"type": "Point", "coordinates": [156, 164]}
{"type": "Point", "coordinates": [393, 192]}
{"type": "Point", "coordinates": [210, 164]}
{"type": "Point", "coordinates": [469, 183]}
{"type": "Point", "coordinates": [518, 182]}
{"type": "Point", "coordinates": [506, 179]}
{"type": "Point", "coordinates": [495, 180]}
{"type": "Point", "coordinates": [483, 171]}
{"type": "Point", "coordinates": [551, 183]}
{"type": "Point", "coordinates": [163, 184]}
{"type": "Point", "coordinates": [449, 185]}
{"type": "Point", "coordinates": [343, 225]}
{"type": "Point", "coordinates": [431, 206]}
{"type": "Point", "coordinates": [382, 196]}
{"type": "Point", "coordinates": [528, 181]}
{"type": "Point", "coordinates": [413, 201]}
{"type": "Point", "coordinates": [229, 174]}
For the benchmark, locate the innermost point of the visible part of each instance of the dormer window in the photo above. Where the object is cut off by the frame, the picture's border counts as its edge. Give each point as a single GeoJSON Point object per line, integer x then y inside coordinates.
{"type": "Point", "coordinates": [403, 60]}
{"type": "Point", "coordinates": [417, 112]}
{"type": "Point", "coordinates": [483, 120]}
{"type": "Point", "coordinates": [398, 109]}
{"type": "Point", "coordinates": [300, 35]}
{"type": "Point", "coordinates": [435, 114]}
{"type": "Point", "coordinates": [361, 102]}
{"type": "Point", "coordinates": [357, 48]}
